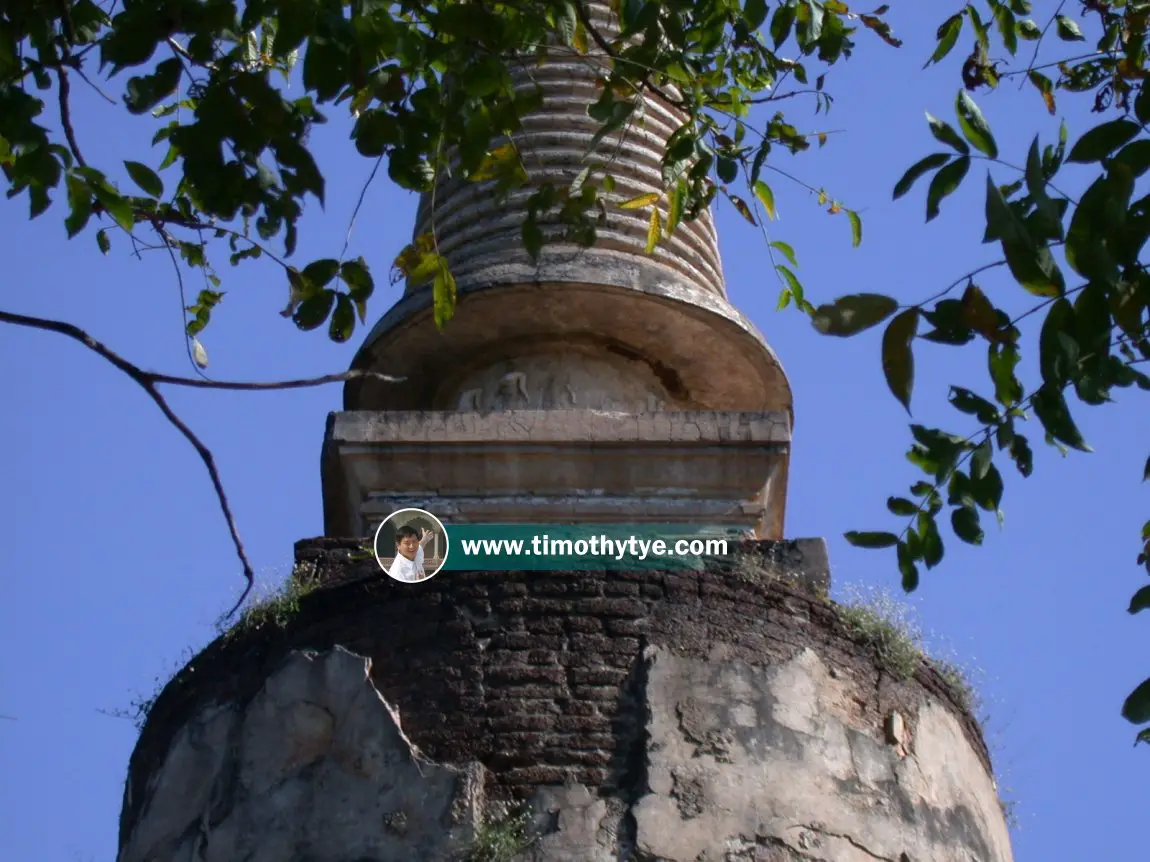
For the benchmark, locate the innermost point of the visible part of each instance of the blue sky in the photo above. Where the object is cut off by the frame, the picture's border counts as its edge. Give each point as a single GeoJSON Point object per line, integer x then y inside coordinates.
{"type": "Point", "coordinates": [117, 561]}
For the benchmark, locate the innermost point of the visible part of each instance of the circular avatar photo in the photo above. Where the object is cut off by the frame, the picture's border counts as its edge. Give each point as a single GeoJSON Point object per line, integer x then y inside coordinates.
{"type": "Point", "coordinates": [411, 545]}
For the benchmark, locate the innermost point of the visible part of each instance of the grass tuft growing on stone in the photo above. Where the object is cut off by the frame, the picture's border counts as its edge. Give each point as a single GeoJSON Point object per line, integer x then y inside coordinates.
{"type": "Point", "coordinates": [501, 840]}
{"type": "Point", "coordinates": [886, 626]}
{"type": "Point", "coordinates": [274, 607]}
{"type": "Point", "coordinates": [752, 567]}
{"type": "Point", "coordinates": [963, 690]}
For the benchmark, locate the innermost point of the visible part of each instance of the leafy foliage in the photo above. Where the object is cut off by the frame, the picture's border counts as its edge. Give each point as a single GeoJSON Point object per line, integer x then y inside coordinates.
{"type": "Point", "coordinates": [1078, 262]}
{"type": "Point", "coordinates": [430, 89]}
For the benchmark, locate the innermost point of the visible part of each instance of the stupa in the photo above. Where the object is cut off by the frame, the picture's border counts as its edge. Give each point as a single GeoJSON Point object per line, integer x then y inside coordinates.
{"type": "Point", "coordinates": [730, 713]}
{"type": "Point", "coordinates": [588, 385]}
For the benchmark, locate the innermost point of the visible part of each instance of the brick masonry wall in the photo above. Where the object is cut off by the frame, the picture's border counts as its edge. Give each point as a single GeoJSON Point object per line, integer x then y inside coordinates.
{"type": "Point", "coordinates": [530, 673]}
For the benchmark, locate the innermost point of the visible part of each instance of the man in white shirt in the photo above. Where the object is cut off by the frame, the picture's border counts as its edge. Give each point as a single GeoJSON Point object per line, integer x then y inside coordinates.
{"type": "Point", "coordinates": [408, 563]}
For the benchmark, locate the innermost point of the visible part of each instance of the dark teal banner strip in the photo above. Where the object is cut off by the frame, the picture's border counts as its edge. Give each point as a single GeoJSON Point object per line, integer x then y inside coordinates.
{"type": "Point", "coordinates": [583, 547]}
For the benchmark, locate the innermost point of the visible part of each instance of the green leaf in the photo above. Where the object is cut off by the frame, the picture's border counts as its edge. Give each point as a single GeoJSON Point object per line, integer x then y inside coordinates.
{"type": "Point", "coordinates": [313, 311]}
{"type": "Point", "coordinates": [102, 241]}
{"type": "Point", "coordinates": [1102, 140]}
{"type": "Point", "coordinates": [897, 357]}
{"type": "Point", "coordinates": [964, 521]}
{"type": "Point", "coordinates": [794, 286]}
{"type": "Point", "coordinates": [1007, 28]}
{"type": "Point", "coordinates": [357, 277]}
{"type": "Point", "coordinates": [980, 459]}
{"type": "Point", "coordinates": [755, 13]}
{"type": "Point", "coordinates": [856, 228]}
{"type": "Point", "coordinates": [117, 206]}
{"type": "Point", "coordinates": [929, 540]}
{"type": "Point", "coordinates": [147, 91]}
{"type": "Point", "coordinates": [1029, 31]}
{"type": "Point", "coordinates": [1001, 221]}
{"type": "Point", "coordinates": [1022, 456]}
{"type": "Point", "coordinates": [342, 319]}
{"type": "Point", "coordinates": [901, 506]}
{"type": "Point", "coordinates": [1135, 156]}
{"type": "Point", "coordinates": [907, 568]}
{"type": "Point", "coordinates": [944, 183]}
{"type": "Point", "coordinates": [80, 202]}
{"type": "Point", "coordinates": [1146, 471]}
{"type": "Point", "coordinates": [444, 292]}
{"type": "Point", "coordinates": [1002, 360]}
{"type": "Point", "coordinates": [1136, 709]}
{"type": "Point", "coordinates": [973, 405]}
{"type": "Point", "coordinates": [945, 133]}
{"type": "Point", "coordinates": [319, 273]}
{"type": "Point", "coordinates": [782, 22]}
{"type": "Point", "coordinates": [1045, 86]}
{"type": "Point", "coordinates": [1058, 351]}
{"type": "Point", "coordinates": [1035, 269]}
{"type": "Point", "coordinates": [1142, 104]}
{"type": "Point", "coordinates": [786, 251]}
{"type": "Point", "coordinates": [974, 125]}
{"type": "Point", "coordinates": [1052, 411]}
{"type": "Point", "coordinates": [980, 30]}
{"type": "Point", "coordinates": [871, 540]}
{"type": "Point", "coordinates": [1068, 30]}
{"type": "Point", "coordinates": [677, 203]}
{"type": "Point", "coordinates": [849, 315]}
{"type": "Point", "coordinates": [947, 35]}
{"type": "Point", "coordinates": [766, 198]}
{"type": "Point", "coordinates": [988, 488]}
{"type": "Point", "coordinates": [916, 170]}
{"type": "Point", "coordinates": [1140, 601]}
{"type": "Point", "coordinates": [146, 179]}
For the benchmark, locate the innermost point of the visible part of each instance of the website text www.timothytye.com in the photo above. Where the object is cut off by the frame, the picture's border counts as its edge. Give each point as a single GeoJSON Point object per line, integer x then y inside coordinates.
{"type": "Point", "coordinates": [635, 547]}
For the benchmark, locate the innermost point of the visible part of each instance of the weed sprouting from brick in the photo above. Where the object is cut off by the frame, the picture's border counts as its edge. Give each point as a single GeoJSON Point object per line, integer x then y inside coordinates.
{"type": "Point", "coordinates": [271, 603]}
{"type": "Point", "coordinates": [753, 567]}
{"type": "Point", "coordinates": [886, 625]}
{"type": "Point", "coordinates": [140, 706]}
{"type": "Point", "coordinates": [891, 627]}
{"type": "Point", "coordinates": [501, 840]}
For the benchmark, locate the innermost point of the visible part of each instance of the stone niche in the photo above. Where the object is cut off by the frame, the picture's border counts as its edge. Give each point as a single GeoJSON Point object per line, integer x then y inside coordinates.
{"type": "Point", "coordinates": [723, 715]}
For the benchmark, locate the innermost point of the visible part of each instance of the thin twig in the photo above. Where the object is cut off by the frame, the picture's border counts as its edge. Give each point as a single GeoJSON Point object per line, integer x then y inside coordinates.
{"type": "Point", "coordinates": [148, 381]}
{"type": "Point", "coordinates": [169, 241]}
{"type": "Point", "coordinates": [358, 204]}
{"type": "Point", "coordinates": [1038, 43]}
{"type": "Point", "coordinates": [967, 277]}
{"type": "Point", "coordinates": [91, 84]}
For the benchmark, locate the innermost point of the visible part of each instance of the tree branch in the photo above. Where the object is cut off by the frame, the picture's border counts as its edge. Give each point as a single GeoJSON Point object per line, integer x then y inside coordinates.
{"type": "Point", "coordinates": [149, 380]}
{"type": "Point", "coordinates": [64, 91]}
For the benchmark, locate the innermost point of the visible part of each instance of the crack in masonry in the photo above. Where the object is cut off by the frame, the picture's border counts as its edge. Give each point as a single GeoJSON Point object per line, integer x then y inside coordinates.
{"type": "Point", "coordinates": [850, 840]}
{"type": "Point", "coordinates": [633, 779]}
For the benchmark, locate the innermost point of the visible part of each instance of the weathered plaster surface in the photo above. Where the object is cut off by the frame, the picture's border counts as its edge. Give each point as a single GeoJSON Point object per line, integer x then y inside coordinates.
{"type": "Point", "coordinates": [736, 763]}
{"type": "Point", "coordinates": [740, 759]}
{"type": "Point", "coordinates": [315, 768]}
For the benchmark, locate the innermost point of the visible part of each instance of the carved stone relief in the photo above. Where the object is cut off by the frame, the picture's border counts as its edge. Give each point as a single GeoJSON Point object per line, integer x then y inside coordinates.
{"type": "Point", "coordinates": [562, 379]}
